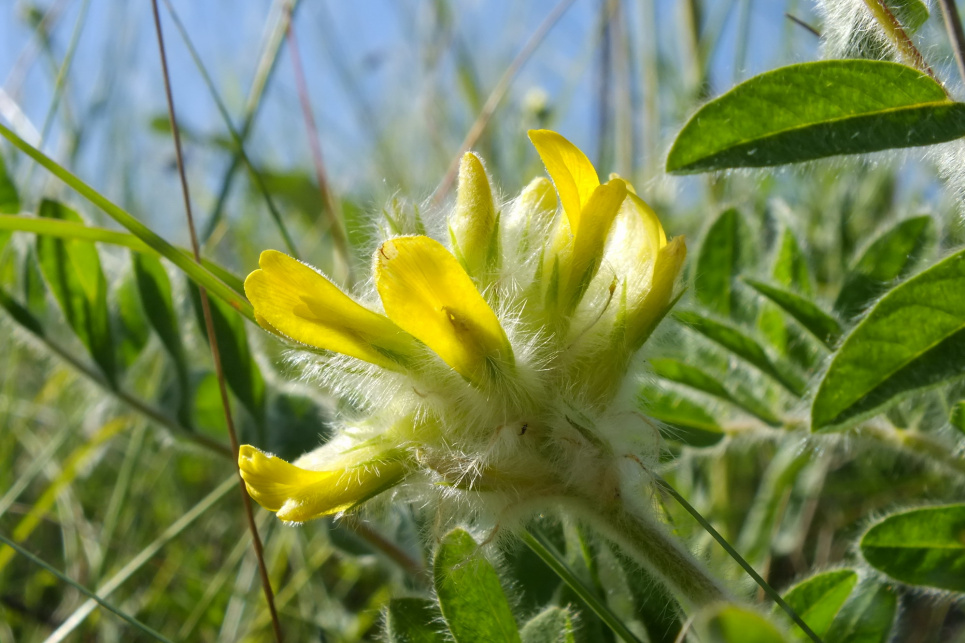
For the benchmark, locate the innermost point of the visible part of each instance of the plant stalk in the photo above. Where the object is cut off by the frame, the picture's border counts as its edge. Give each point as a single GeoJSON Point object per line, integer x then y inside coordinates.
{"type": "Point", "coordinates": [651, 545]}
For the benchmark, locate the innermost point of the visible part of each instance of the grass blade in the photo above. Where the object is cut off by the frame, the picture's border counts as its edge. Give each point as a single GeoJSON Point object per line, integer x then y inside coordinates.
{"type": "Point", "coordinates": [555, 561]}
{"type": "Point", "coordinates": [118, 579]}
{"type": "Point", "coordinates": [198, 273]}
{"type": "Point", "coordinates": [83, 590]}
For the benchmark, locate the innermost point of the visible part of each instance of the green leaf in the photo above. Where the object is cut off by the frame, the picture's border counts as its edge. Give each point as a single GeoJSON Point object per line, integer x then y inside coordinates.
{"type": "Point", "coordinates": [912, 14]}
{"type": "Point", "coordinates": [472, 600]}
{"type": "Point", "coordinates": [73, 272]}
{"type": "Point", "coordinates": [765, 516]}
{"type": "Point", "coordinates": [791, 266]}
{"type": "Point", "coordinates": [552, 625]}
{"type": "Point", "coordinates": [155, 292]}
{"type": "Point", "coordinates": [819, 599]}
{"type": "Point", "coordinates": [867, 617]}
{"type": "Point", "coordinates": [208, 413]}
{"type": "Point", "coordinates": [733, 624]}
{"type": "Point", "coordinates": [412, 620]}
{"type": "Point", "coordinates": [20, 314]}
{"type": "Point", "coordinates": [9, 199]}
{"type": "Point", "coordinates": [724, 253]}
{"type": "Point", "coordinates": [199, 274]}
{"type": "Point", "coordinates": [819, 323]}
{"type": "Point", "coordinates": [134, 329]}
{"type": "Point", "coordinates": [689, 423]}
{"type": "Point", "coordinates": [687, 375]}
{"type": "Point", "coordinates": [924, 546]}
{"type": "Point", "coordinates": [913, 338]}
{"type": "Point", "coordinates": [241, 372]}
{"type": "Point", "coordinates": [889, 257]}
{"type": "Point", "coordinates": [815, 110]}
{"type": "Point", "coordinates": [154, 288]}
{"type": "Point", "coordinates": [741, 345]}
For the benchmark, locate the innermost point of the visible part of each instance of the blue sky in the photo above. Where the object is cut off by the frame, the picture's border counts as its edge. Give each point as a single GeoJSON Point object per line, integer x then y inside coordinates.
{"type": "Point", "coordinates": [384, 47]}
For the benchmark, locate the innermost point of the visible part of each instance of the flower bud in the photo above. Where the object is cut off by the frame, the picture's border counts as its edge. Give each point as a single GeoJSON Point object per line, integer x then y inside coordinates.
{"type": "Point", "coordinates": [472, 224]}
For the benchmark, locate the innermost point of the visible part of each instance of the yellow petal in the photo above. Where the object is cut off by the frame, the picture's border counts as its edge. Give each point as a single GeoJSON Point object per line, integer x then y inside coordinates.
{"type": "Point", "coordinates": [633, 245]}
{"type": "Point", "coordinates": [427, 293]}
{"type": "Point", "coordinates": [572, 173]}
{"type": "Point", "coordinates": [297, 495]}
{"type": "Point", "coordinates": [643, 317]}
{"type": "Point", "coordinates": [530, 217]}
{"type": "Point", "coordinates": [588, 241]}
{"type": "Point", "coordinates": [293, 299]}
{"type": "Point", "coordinates": [473, 221]}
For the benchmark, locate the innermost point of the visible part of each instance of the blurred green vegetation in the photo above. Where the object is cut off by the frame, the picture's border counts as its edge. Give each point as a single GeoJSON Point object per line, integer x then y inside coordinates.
{"type": "Point", "coordinates": [113, 464]}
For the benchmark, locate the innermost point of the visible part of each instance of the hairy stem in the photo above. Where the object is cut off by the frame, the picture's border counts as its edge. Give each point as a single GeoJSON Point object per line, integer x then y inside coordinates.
{"type": "Point", "coordinates": [650, 544]}
{"type": "Point", "coordinates": [899, 37]}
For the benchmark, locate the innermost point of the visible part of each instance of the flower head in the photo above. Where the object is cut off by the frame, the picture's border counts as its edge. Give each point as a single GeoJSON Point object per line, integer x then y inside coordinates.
{"type": "Point", "coordinates": [489, 373]}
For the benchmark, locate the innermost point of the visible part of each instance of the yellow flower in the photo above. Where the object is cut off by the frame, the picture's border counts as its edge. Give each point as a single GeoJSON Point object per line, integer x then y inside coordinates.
{"type": "Point", "coordinates": [489, 372]}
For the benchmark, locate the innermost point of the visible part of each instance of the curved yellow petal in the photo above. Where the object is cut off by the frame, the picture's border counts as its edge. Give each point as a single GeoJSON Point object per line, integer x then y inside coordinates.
{"type": "Point", "coordinates": [588, 241]}
{"type": "Point", "coordinates": [643, 317]}
{"type": "Point", "coordinates": [472, 223]}
{"type": "Point", "coordinates": [292, 299]}
{"type": "Point", "coordinates": [572, 173]}
{"type": "Point", "coordinates": [427, 293]}
{"type": "Point", "coordinates": [635, 240]}
{"type": "Point", "coordinates": [297, 495]}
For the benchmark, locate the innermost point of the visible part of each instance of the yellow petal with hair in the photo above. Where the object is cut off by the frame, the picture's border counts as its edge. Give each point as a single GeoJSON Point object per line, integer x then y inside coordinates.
{"type": "Point", "coordinates": [297, 495]}
{"type": "Point", "coordinates": [572, 173]}
{"type": "Point", "coordinates": [588, 241]}
{"type": "Point", "coordinates": [293, 299]}
{"type": "Point", "coordinates": [633, 245]}
{"type": "Point", "coordinates": [644, 315]}
{"type": "Point", "coordinates": [427, 293]}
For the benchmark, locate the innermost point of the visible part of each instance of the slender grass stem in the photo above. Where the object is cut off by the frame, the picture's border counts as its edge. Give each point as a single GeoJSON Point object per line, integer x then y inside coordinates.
{"type": "Point", "coordinates": [173, 531]}
{"type": "Point", "coordinates": [496, 97]}
{"type": "Point", "coordinates": [555, 561]}
{"type": "Point", "coordinates": [20, 67]}
{"type": "Point", "coordinates": [733, 553]}
{"type": "Point", "coordinates": [212, 336]}
{"type": "Point", "coordinates": [953, 24]}
{"type": "Point", "coordinates": [332, 209]}
{"type": "Point", "coordinates": [33, 327]}
{"type": "Point", "coordinates": [195, 271]}
{"type": "Point", "coordinates": [60, 82]}
{"type": "Point", "coordinates": [83, 590]}
{"type": "Point", "coordinates": [236, 136]}
{"type": "Point", "coordinates": [73, 230]}
{"type": "Point", "coordinates": [266, 67]}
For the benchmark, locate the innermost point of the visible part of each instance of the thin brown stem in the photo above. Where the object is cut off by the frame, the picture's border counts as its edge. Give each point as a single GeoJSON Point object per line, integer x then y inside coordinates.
{"type": "Point", "coordinates": [209, 328]}
{"type": "Point", "coordinates": [496, 96]}
{"type": "Point", "coordinates": [802, 24]}
{"type": "Point", "coordinates": [953, 23]}
{"type": "Point", "coordinates": [333, 211]}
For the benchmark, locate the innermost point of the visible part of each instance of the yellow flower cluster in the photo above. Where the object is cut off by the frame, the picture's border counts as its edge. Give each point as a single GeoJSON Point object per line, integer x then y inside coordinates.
{"type": "Point", "coordinates": [493, 372]}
